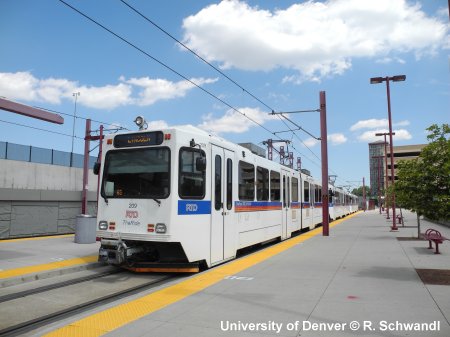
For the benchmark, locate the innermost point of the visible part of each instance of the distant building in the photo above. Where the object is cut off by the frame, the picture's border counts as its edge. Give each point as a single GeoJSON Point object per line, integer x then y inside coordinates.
{"type": "Point", "coordinates": [377, 162]}
{"type": "Point", "coordinates": [405, 152]}
{"type": "Point", "coordinates": [376, 166]}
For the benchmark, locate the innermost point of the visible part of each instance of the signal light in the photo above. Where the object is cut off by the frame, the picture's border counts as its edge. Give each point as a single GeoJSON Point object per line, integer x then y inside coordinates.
{"type": "Point", "coordinates": [167, 136]}
{"type": "Point", "coordinates": [109, 141]}
{"type": "Point", "coordinates": [150, 228]}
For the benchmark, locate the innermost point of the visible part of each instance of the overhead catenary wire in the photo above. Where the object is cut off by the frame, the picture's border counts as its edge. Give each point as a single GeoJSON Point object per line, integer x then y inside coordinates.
{"type": "Point", "coordinates": [196, 54]}
{"type": "Point", "coordinates": [82, 117]}
{"type": "Point", "coordinates": [40, 129]}
{"type": "Point", "coordinates": [186, 78]}
{"type": "Point", "coordinates": [163, 64]}
{"type": "Point", "coordinates": [272, 110]}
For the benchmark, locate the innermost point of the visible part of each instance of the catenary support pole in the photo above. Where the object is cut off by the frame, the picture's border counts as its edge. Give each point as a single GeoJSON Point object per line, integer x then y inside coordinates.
{"type": "Point", "coordinates": [364, 194]}
{"type": "Point", "coordinates": [87, 138]}
{"type": "Point", "coordinates": [324, 155]}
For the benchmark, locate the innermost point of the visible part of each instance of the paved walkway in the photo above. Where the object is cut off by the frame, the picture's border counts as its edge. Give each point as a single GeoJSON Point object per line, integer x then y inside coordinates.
{"type": "Point", "coordinates": [358, 281]}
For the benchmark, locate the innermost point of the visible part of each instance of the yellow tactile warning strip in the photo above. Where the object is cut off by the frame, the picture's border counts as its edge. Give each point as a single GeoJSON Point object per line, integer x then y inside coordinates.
{"type": "Point", "coordinates": [47, 266]}
{"type": "Point", "coordinates": [37, 238]}
{"type": "Point", "coordinates": [108, 320]}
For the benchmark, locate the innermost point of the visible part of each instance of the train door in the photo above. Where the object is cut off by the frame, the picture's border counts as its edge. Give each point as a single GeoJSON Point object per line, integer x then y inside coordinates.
{"type": "Point", "coordinates": [306, 205]}
{"type": "Point", "coordinates": [295, 205]}
{"type": "Point", "coordinates": [286, 204]}
{"type": "Point", "coordinates": [222, 225]}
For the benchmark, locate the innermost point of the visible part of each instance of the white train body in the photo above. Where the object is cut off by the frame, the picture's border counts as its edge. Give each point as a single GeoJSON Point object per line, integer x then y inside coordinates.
{"type": "Point", "coordinates": [179, 198]}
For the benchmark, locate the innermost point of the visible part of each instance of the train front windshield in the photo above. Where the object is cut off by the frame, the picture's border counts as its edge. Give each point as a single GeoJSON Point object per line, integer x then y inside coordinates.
{"type": "Point", "coordinates": [138, 173]}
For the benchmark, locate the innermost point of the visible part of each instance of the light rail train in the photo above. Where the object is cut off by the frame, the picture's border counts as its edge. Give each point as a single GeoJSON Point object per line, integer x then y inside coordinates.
{"type": "Point", "coordinates": [180, 199]}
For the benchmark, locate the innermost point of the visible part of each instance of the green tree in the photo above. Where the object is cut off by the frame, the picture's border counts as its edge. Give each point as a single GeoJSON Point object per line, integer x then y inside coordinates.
{"type": "Point", "coordinates": [423, 184]}
{"type": "Point", "coordinates": [359, 191]}
{"type": "Point", "coordinates": [410, 188]}
{"type": "Point", "coordinates": [435, 163]}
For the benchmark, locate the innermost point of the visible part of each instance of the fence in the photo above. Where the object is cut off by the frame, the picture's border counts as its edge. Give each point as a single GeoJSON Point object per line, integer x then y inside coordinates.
{"type": "Point", "coordinates": [43, 156]}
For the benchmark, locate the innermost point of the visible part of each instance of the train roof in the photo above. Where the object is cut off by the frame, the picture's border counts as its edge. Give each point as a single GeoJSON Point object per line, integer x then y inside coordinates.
{"type": "Point", "coordinates": [195, 131]}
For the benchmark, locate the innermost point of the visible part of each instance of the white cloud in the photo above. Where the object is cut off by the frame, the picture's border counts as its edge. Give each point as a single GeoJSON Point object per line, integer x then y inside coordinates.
{"type": "Point", "coordinates": [333, 138]}
{"type": "Point", "coordinates": [310, 142]}
{"type": "Point", "coordinates": [24, 86]}
{"type": "Point", "coordinates": [387, 60]}
{"type": "Point", "coordinates": [18, 85]}
{"type": "Point", "coordinates": [315, 38]}
{"type": "Point", "coordinates": [375, 123]}
{"type": "Point", "coordinates": [369, 136]}
{"type": "Point", "coordinates": [107, 97]}
{"type": "Point", "coordinates": [337, 138]}
{"type": "Point", "coordinates": [234, 122]}
{"type": "Point", "coordinates": [161, 89]}
{"type": "Point", "coordinates": [157, 125]}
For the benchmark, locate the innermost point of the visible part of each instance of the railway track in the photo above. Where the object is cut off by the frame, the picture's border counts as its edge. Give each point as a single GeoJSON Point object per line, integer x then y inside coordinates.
{"type": "Point", "coordinates": [30, 309]}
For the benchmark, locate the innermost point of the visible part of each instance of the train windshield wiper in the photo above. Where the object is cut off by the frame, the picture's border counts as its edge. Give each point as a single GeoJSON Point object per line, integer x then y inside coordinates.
{"type": "Point", "coordinates": [157, 201]}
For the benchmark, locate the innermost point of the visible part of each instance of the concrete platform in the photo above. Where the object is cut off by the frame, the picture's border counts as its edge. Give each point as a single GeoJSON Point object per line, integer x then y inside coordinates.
{"type": "Point", "coordinates": [23, 260]}
{"type": "Point", "coordinates": [360, 280]}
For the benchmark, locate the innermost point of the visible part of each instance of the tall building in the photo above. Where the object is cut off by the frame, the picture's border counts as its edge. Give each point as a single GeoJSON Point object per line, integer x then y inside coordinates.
{"type": "Point", "coordinates": [377, 163]}
{"type": "Point", "coordinates": [405, 152]}
{"type": "Point", "coordinates": [376, 166]}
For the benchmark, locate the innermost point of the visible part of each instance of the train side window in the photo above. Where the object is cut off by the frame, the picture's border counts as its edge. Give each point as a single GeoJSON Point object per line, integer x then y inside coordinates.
{"type": "Point", "coordinates": [306, 192]}
{"type": "Point", "coordinates": [229, 184]}
{"type": "Point", "coordinates": [218, 183]}
{"type": "Point", "coordinates": [319, 194]}
{"type": "Point", "coordinates": [246, 181]}
{"type": "Point", "coordinates": [274, 186]}
{"type": "Point", "coordinates": [294, 189]}
{"type": "Point", "coordinates": [262, 184]}
{"type": "Point", "coordinates": [191, 183]}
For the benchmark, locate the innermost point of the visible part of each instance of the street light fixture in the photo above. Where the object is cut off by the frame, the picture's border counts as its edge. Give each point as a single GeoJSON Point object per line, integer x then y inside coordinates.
{"type": "Point", "coordinates": [377, 80]}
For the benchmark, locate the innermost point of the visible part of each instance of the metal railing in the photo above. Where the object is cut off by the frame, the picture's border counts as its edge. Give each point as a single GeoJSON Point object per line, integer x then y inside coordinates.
{"type": "Point", "coordinates": [40, 155]}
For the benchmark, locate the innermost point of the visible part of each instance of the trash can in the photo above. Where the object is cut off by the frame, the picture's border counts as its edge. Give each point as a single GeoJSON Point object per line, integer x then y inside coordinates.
{"type": "Point", "coordinates": [85, 228]}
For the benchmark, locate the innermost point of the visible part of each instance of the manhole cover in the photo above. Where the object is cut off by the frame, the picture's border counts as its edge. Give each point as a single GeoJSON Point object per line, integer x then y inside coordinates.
{"type": "Point", "coordinates": [434, 276]}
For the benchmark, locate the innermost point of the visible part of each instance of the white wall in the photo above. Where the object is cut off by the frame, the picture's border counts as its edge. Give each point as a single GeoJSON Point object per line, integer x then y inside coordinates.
{"type": "Point", "coordinates": [34, 176]}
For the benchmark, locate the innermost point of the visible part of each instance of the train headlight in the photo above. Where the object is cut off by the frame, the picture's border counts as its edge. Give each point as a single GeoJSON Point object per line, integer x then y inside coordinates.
{"type": "Point", "coordinates": [160, 228]}
{"type": "Point", "coordinates": [103, 225]}
{"type": "Point", "coordinates": [140, 122]}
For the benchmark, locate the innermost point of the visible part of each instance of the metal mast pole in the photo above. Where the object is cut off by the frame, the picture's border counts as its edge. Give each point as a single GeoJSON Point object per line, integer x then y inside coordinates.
{"type": "Point", "coordinates": [324, 155]}
{"type": "Point", "coordinates": [391, 148]}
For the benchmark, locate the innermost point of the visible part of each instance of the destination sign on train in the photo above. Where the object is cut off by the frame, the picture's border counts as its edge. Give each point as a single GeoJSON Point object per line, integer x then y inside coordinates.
{"type": "Point", "coordinates": [139, 139]}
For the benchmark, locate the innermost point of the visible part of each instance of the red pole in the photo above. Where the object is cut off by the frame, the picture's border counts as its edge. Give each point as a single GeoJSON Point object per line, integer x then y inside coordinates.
{"type": "Point", "coordinates": [387, 180]}
{"type": "Point", "coordinates": [391, 147]}
{"type": "Point", "coordinates": [379, 181]}
{"type": "Point", "coordinates": [324, 155]}
{"type": "Point", "coordinates": [364, 195]}
{"type": "Point", "coordinates": [100, 148]}
{"type": "Point", "coordinates": [86, 167]}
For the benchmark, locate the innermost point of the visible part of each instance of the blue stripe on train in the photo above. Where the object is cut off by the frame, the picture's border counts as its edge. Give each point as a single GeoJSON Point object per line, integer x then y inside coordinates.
{"type": "Point", "coordinates": [188, 207]}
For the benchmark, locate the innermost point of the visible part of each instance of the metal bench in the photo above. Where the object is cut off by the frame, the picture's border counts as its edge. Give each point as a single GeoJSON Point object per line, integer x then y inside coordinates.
{"type": "Point", "coordinates": [432, 235]}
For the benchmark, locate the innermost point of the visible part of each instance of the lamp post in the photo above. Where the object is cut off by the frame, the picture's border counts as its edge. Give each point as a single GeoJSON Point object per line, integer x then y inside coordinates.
{"type": "Point", "coordinates": [377, 80]}
{"type": "Point", "coordinates": [75, 94]}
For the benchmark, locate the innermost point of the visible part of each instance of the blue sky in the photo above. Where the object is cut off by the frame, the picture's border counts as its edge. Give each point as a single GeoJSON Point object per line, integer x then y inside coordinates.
{"type": "Point", "coordinates": [283, 52]}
